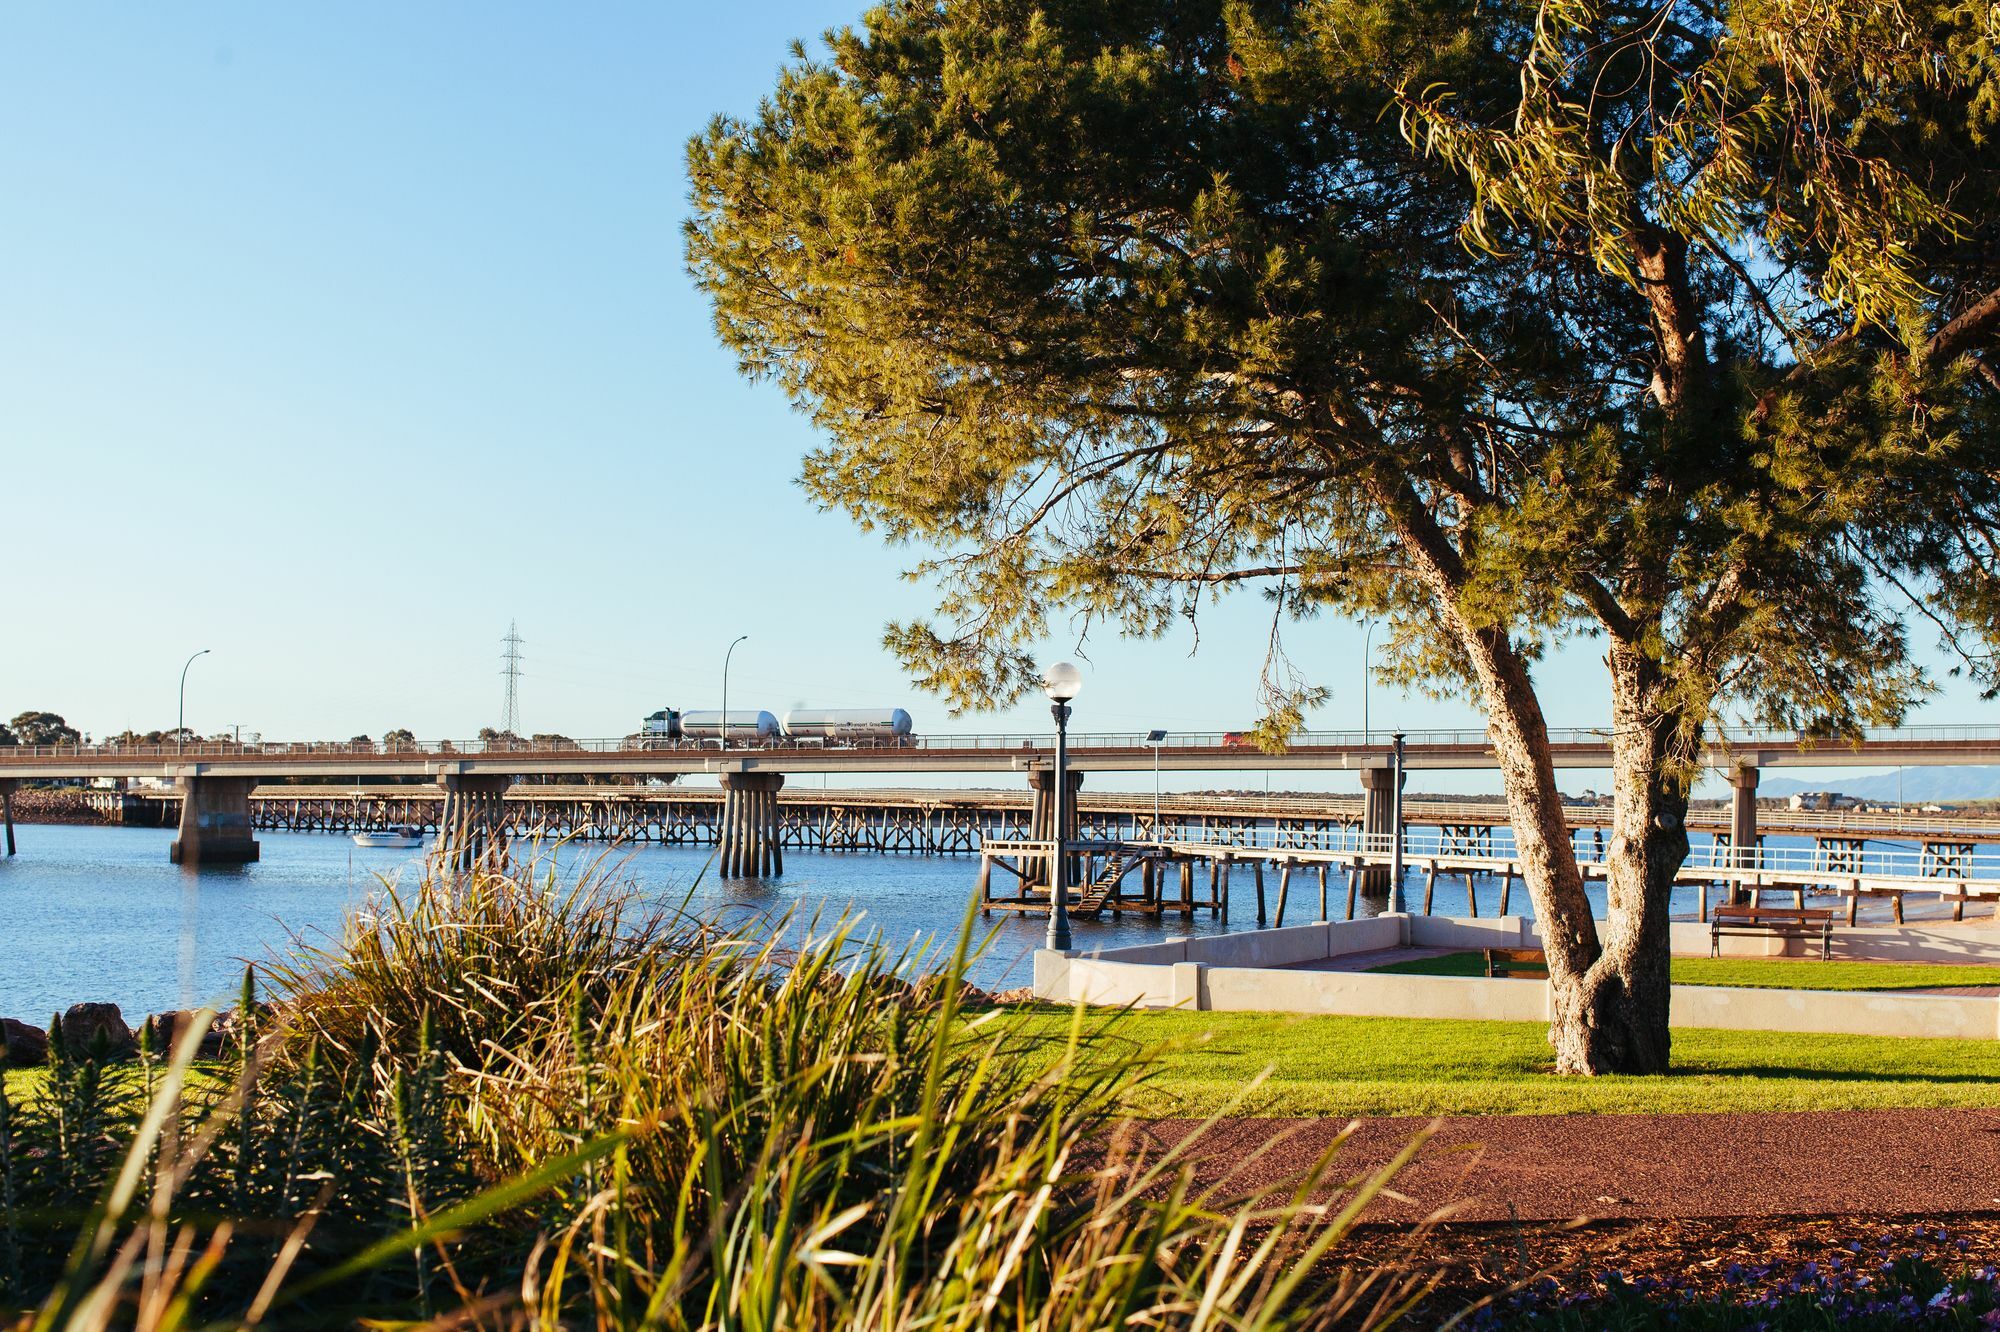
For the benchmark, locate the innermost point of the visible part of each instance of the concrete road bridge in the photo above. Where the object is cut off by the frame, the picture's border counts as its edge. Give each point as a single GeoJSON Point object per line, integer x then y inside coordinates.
{"type": "Point", "coordinates": [216, 780]}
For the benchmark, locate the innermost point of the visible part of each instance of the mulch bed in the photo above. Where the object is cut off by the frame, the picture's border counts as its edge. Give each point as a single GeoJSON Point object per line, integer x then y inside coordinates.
{"type": "Point", "coordinates": [1521, 1168]}
{"type": "Point", "coordinates": [1715, 1257]}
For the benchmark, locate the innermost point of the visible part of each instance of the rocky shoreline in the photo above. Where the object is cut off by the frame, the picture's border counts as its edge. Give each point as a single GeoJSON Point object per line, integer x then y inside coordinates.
{"type": "Point", "coordinates": [99, 1031]}
{"type": "Point", "coordinates": [57, 804]}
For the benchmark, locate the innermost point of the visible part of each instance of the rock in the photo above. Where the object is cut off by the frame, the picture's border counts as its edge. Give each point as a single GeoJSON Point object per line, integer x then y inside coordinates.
{"type": "Point", "coordinates": [972, 997]}
{"type": "Point", "coordinates": [84, 1024]}
{"type": "Point", "coordinates": [166, 1029]}
{"type": "Point", "coordinates": [22, 1046]}
{"type": "Point", "coordinates": [1024, 994]}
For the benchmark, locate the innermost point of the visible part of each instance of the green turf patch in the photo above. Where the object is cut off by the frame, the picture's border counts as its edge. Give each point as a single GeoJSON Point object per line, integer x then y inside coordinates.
{"type": "Point", "coordinates": [1329, 1066]}
{"type": "Point", "coordinates": [1450, 964]}
{"type": "Point", "coordinates": [1758, 973]}
{"type": "Point", "coordinates": [1771, 973]}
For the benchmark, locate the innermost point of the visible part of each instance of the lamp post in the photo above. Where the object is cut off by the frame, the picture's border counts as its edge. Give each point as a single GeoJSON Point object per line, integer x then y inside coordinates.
{"type": "Point", "coordinates": [1396, 825]}
{"type": "Point", "coordinates": [1156, 738]}
{"type": "Point", "coordinates": [1061, 683]}
{"type": "Point", "coordinates": [723, 729]}
{"type": "Point", "coordinates": [1367, 649]}
{"type": "Point", "coordinates": [180, 720]}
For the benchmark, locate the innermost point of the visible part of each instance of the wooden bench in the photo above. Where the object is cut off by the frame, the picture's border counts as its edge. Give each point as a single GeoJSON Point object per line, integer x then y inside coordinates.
{"type": "Point", "coordinates": [1508, 963]}
{"type": "Point", "coordinates": [1769, 922]}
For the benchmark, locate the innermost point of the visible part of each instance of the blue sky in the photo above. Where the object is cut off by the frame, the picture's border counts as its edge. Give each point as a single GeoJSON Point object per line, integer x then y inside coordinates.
{"type": "Point", "coordinates": [334, 337]}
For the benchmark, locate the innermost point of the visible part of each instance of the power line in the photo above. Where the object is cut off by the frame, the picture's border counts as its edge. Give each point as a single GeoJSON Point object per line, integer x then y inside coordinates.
{"type": "Point", "coordinates": [510, 669]}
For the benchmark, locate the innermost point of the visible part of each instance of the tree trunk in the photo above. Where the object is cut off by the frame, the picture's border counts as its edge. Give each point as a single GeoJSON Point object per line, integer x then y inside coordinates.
{"type": "Point", "coordinates": [1612, 1018]}
{"type": "Point", "coordinates": [1609, 1004]}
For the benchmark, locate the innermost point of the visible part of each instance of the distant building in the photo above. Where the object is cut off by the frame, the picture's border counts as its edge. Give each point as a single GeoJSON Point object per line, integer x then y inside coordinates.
{"type": "Point", "coordinates": [1820, 801]}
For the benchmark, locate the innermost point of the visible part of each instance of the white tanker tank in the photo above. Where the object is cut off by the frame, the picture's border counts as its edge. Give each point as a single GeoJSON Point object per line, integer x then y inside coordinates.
{"type": "Point", "coordinates": [848, 725]}
{"type": "Point", "coordinates": [745, 727]}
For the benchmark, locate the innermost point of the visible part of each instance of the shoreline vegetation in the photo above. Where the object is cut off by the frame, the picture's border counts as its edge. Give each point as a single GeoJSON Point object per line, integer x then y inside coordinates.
{"type": "Point", "coordinates": [506, 1099]}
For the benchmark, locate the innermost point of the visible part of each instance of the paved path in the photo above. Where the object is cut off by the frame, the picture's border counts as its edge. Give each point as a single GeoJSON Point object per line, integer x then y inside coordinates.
{"type": "Point", "coordinates": [1557, 1167]}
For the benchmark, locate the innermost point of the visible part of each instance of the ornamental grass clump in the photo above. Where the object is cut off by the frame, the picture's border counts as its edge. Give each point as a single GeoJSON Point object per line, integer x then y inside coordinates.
{"type": "Point", "coordinates": [508, 1099]}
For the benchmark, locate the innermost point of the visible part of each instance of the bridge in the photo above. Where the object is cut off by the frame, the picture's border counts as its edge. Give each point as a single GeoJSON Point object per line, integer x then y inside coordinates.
{"type": "Point", "coordinates": [216, 779]}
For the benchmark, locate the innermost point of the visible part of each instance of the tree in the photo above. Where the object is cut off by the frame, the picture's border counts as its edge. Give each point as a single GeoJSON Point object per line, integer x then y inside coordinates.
{"type": "Point", "coordinates": [399, 738]}
{"type": "Point", "coordinates": [130, 738]}
{"type": "Point", "coordinates": [43, 728]}
{"type": "Point", "coordinates": [1671, 326]}
{"type": "Point", "coordinates": [7, 737]}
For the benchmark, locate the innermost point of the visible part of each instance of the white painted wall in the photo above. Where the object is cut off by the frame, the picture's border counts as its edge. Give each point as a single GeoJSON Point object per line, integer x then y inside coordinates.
{"type": "Point", "coordinates": [1253, 971]}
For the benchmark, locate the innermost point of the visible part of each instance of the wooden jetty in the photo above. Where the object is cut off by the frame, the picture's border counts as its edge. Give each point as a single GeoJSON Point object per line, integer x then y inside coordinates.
{"type": "Point", "coordinates": [1014, 876]}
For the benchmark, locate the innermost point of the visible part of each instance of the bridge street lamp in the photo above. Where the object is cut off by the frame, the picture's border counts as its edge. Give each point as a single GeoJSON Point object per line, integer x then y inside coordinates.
{"type": "Point", "coordinates": [180, 720]}
{"type": "Point", "coordinates": [1061, 682]}
{"type": "Point", "coordinates": [723, 730]}
{"type": "Point", "coordinates": [1367, 645]}
{"type": "Point", "coordinates": [1155, 738]}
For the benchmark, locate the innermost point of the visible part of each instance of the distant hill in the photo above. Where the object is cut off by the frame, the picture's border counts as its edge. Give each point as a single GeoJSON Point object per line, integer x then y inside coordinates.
{"type": "Point", "coordinates": [1933, 784]}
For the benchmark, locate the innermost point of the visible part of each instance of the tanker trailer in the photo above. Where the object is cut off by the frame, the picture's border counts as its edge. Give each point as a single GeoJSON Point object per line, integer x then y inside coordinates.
{"type": "Point", "coordinates": [847, 726]}
{"type": "Point", "coordinates": [745, 728]}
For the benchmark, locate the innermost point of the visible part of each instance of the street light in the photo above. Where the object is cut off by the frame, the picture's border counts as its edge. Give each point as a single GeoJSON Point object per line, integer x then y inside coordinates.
{"type": "Point", "coordinates": [180, 721]}
{"type": "Point", "coordinates": [723, 730]}
{"type": "Point", "coordinates": [1367, 644]}
{"type": "Point", "coordinates": [1060, 682]}
{"type": "Point", "coordinates": [1156, 738]}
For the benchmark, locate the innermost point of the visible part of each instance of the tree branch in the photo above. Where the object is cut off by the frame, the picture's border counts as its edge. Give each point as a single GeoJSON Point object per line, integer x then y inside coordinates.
{"type": "Point", "coordinates": [1974, 325]}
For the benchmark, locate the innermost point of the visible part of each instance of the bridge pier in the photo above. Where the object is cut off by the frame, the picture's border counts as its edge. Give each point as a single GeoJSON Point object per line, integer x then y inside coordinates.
{"type": "Point", "coordinates": [1041, 824]}
{"type": "Point", "coordinates": [748, 845]}
{"type": "Point", "coordinates": [473, 822]}
{"type": "Point", "coordinates": [7, 810]}
{"type": "Point", "coordinates": [1378, 824]}
{"type": "Point", "coordinates": [215, 821]}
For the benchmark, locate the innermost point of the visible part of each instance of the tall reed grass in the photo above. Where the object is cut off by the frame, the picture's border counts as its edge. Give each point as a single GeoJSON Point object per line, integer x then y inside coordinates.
{"type": "Point", "coordinates": [508, 1100]}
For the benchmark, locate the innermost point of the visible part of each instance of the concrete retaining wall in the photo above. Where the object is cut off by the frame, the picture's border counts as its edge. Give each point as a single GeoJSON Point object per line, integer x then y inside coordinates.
{"type": "Point", "coordinates": [1367, 994]}
{"type": "Point", "coordinates": [1853, 1012]}
{"type": "Point", "coordinates": [1254, 971]}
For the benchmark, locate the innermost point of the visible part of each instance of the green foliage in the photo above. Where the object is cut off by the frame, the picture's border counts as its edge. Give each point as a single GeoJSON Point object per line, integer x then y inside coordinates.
{"type": "Point", "coordinates": [1116, 306]}
{"type": "Point", "coordinates": [1506, 324]}
{"type": "Point", "coordinates": [41, 728]}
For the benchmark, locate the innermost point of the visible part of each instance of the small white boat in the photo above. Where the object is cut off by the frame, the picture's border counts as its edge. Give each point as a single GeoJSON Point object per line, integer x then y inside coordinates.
{"type": "Point", "coordinates": [404, 838]}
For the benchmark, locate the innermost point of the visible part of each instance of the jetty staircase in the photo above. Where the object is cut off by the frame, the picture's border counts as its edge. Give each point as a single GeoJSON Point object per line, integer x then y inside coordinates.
{"type": "Point", "coordinates": [1091, 905]}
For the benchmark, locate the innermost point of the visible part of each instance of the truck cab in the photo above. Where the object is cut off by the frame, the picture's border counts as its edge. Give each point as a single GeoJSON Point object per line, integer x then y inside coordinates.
{"type": "Point", "coordinates": [660, 729]}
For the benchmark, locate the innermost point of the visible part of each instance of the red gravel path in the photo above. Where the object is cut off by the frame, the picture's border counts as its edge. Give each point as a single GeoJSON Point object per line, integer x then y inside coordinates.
{"type": "Point", "coordinates": [1558, 1167]}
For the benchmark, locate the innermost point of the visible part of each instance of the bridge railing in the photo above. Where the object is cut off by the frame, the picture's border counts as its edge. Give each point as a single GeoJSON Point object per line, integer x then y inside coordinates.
{"type": "Point", "coordinates": [1374, 741]}
{"type": "Point", "coordinates": [1940, 863]}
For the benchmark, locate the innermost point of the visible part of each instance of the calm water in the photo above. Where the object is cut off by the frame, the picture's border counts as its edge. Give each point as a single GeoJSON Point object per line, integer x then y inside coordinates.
{"type": "Point", "coordinates": [99, 914]}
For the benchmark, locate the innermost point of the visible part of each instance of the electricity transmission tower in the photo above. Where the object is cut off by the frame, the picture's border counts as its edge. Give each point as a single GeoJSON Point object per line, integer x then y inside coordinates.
{"type": "Point", "coordinates": [510, 670]}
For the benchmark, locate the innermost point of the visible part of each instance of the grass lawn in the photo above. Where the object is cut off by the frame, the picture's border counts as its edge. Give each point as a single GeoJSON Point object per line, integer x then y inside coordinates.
{"type": "Point", "coordinates": [1330, 1066]}
{"type": "Point", "coordinates": [1334, 1066]}
{"type": "Point", "coordinates": [1759, 973]}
